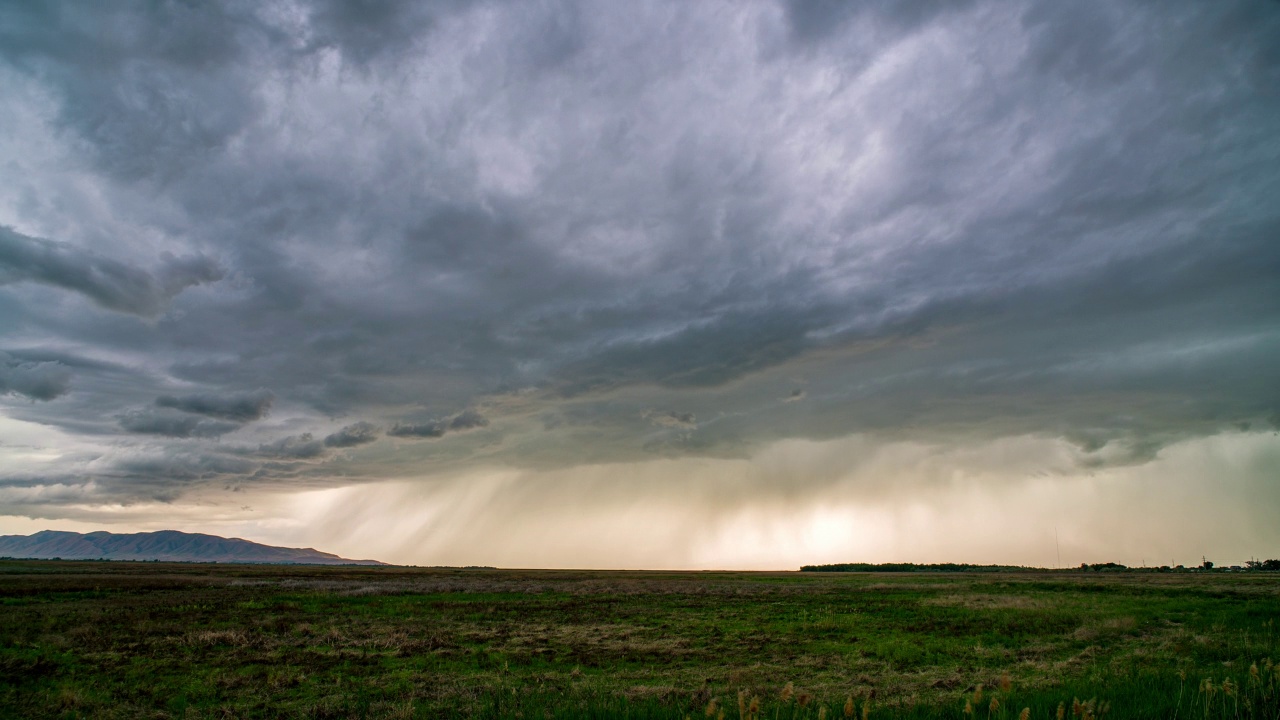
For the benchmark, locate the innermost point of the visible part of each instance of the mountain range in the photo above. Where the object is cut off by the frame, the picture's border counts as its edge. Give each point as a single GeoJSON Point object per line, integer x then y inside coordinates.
{"type": "Point", "coordinates": [167, 545]}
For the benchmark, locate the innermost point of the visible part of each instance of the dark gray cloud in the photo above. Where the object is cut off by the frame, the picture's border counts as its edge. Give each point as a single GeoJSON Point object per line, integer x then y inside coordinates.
{"type": "Point", "coordinates": [363, 32]}
{"type": "Point", "coordinates": [432, 429]}
{"type": "Point", "coordinates": [152, 474]}
{"type": "Point", "coordinates": [360, 433]}
{"type": "Point", "coordinates": [812, 21]}
{"type": "Point", "coordinates": [466, 420]}
{"type": "Point", "coordinates": [236, 407]}
{"type": "Point", "coordinates": [297, 447]}
{"type": "Point", "coordinates": [587, 237]}
{"type": "Point", "coordinates": [111, 284]}
{"type": "Point", "coordinates": [147, 87]}
{"type": "Point", "coordinates": [171, 424]}
{"type": "Point", "coordinates": [35, 380]}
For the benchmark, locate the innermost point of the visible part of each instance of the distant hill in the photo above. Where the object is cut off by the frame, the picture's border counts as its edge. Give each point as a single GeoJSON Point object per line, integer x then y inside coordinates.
{"type": "Point", "coordinates": [168, 545]}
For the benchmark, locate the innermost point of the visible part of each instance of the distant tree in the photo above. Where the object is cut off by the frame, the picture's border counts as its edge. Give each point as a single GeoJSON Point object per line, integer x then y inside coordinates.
{"type": "Point", "coordinates": [1102, 567]}
{"type": "Point", "coordinates": [1208, 565]}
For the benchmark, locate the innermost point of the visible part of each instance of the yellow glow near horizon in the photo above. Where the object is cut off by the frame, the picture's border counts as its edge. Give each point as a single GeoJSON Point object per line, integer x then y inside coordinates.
{"type": "Point", "coordinates": [794, 503]}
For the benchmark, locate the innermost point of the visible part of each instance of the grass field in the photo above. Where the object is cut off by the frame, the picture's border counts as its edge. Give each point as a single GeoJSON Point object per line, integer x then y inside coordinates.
{"type": "Point", "coordinates": [132, 640]}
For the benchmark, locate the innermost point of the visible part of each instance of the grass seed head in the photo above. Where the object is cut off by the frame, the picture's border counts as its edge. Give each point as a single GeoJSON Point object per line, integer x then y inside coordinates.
{"type": "Point", "coordinates": [1208, 687]}
{"type": "Point", "coordinates": [1025, 714]}
{"type": "Point", "coordinates": [1062, 711]}
{"type": "Point", "coordinates": [995, 704]}
{"type": "Point", "coordinates": [1006, 683]}
{"type": "Point", "coordinates": [712, 707]}
{"type": "Point", "coordinates": [848, 707]}
{"type": "Point", "coordinates": [787, 691]}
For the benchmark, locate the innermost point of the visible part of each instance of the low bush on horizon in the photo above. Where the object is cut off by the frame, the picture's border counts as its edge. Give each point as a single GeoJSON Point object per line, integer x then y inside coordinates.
{"type": "Point", "coordinates": [107, 640]}
{"type": "Point", "coordinates": [1249, 566]}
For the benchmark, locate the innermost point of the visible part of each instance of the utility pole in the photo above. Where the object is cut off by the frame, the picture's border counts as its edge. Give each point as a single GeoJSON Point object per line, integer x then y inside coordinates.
{"type": "Point", "coordinates": [1057, 547]}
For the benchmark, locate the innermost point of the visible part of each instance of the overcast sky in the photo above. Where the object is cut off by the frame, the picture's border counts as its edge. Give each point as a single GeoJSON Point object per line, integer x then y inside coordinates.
{"type": "Point", "coordinates": [646, 284]}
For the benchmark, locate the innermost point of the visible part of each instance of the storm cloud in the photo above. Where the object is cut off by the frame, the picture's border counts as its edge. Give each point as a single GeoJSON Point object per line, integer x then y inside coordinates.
{"type": "Point", "coordinates": [111, 284]}
{"type": "Point", "coordinates": [295, 447]}
{"type": "Point", "coordinates": [149, 422]}
{"type": "Point", "coordinates": [361, 433]}
{"type": "Point", "coordinates": [236, 407]}
{"type": "Point", "coordinates": [34, 380]}
{"type": "Point", "coordinates": [548, 236]}
{"type": "Point", "coordinates": [433, 429]}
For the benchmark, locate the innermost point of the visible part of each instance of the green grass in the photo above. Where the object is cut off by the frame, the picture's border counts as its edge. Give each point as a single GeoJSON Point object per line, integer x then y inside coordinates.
{"type": "Point", "coordinates": [104, 640]}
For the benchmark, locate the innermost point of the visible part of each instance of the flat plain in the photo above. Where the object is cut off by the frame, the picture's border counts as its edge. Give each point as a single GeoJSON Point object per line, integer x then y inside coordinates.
{"type": "Point", "coordinates": [130, 640]}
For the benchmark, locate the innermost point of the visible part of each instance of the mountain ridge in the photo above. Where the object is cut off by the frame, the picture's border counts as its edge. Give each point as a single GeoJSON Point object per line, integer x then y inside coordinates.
{"type": "Point", "coordinates": [165, 545]}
